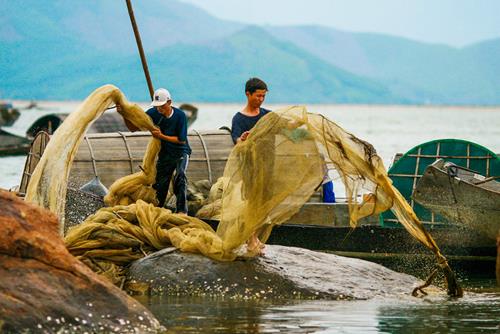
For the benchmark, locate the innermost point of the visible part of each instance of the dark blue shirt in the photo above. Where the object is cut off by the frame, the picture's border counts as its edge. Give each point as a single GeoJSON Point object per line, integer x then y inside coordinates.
{"type": "Point", "coordinates": [176, 125]}
{"type": "Point", "coordinates": [242, 123]}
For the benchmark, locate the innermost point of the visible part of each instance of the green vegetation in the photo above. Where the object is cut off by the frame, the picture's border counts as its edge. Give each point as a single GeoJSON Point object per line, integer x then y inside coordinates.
{"type": "Point", "coordinates": [64, 50]}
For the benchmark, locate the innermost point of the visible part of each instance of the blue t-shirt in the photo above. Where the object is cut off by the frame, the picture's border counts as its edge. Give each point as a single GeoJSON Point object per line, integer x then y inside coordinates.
{"type": "Point", "coordinates": [176, 125]}
{"type": "Point", "coordinates": [242, 123]}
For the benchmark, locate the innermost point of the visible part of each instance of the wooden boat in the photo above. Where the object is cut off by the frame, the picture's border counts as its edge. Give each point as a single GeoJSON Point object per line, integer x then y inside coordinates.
{"type": "Point", "coordinates": [110, 156]}
{"type": "Point", "coordinates": [461, 195]}
{"type": "Point", "coordinates": [407, 169]}
{"type": "Point", "coordinates": [318, 226]}
{"type": "Point", "coordinates": [8, 114]}
{"type": "Point", "coordinates": [110, 121]}
{"type": "Point", "coordinates": [476, 251]}
{"type": "Point", "coordinates": [11, 144]}
{"type": "Point", "coordinates": [34, 155]}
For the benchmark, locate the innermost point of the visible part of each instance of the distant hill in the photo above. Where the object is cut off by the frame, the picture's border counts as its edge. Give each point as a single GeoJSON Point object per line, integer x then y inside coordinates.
{"type": "Point", "coordinates": [65, 49]}
{"type": "Point", "coordinates": [429, 73]}
{"type": "Point", "coordinates": [210, 73]}
{"type": "Point", "coordinates": [217, 72]}
{"type": "Point", "coordinates": [105, 25]}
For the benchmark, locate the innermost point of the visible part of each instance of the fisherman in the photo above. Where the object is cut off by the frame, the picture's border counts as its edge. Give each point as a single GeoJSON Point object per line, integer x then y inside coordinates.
{"type": "Point", "coordinates": [245, 120]}
{"type": "Point", "coordinates": [175, 151]}
{"type": "Point", "coordinates": [242, 124]}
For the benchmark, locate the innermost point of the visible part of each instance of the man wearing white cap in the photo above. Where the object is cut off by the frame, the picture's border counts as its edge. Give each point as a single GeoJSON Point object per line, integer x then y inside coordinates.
{"type": "Point", "coordinates": [175, 150]}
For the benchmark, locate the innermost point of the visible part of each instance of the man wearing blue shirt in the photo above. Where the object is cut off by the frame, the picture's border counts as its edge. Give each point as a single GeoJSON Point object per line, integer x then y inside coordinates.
{"type": "Point", "coordinates": [175, 151]}
{"type": "Point", "coordinates": [245, 120]}
{"type": "Point", "coordinates": [242, 124]}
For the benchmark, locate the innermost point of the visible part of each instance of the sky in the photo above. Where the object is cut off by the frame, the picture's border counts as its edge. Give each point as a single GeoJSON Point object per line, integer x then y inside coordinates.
{"type": "Point", "coordinates": [453, 22]}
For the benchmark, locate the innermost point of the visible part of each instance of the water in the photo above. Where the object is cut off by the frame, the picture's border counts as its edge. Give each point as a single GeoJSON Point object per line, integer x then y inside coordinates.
{"type": "Point", "coordinates": [391, 129]}
{"type": "Point", "coordinates": [475, 313]}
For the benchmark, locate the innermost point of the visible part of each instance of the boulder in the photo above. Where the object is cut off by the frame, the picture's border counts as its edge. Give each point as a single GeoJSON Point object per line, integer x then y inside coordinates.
{"type": "Point", "coordinates": [283, 272]}
{"type": "Point", "coordinates": [43, 288]}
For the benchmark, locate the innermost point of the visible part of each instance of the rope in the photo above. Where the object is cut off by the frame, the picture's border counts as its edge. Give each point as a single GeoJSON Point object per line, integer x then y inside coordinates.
{"type": "Point", "coordinates": [91, 155]}
{"type": "Point", "coordinates": [452, 172]}
{"type": "Point", "coordinates": [205, 150]}
{"type": "Point", "coordinates": [427, 282]}
{"type": "Point", "coordinates": [128, 151]}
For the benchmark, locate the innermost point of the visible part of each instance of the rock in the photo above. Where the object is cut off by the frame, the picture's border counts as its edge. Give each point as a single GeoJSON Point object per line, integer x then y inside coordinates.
{"type": "Point", "coordinates": [43, 288]}
{"type": "Point", "coordinates": [283, 272]}
{"type": "Point", "coordinates": [79, 205]}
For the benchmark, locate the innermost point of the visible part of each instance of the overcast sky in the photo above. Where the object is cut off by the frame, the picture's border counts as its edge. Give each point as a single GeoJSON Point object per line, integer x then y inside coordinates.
{"type": "Point", "coordinates": [453, 22]}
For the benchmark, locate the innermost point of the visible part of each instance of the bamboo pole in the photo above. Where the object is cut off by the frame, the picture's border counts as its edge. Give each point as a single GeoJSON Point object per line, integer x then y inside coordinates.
{"type": "Point", "coordinates": [139, 46]}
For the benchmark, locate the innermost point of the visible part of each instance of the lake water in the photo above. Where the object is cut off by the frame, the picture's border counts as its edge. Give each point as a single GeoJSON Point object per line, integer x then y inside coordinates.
{"type": "Point", "coordinates": [391, 129]}
{"type": "Point", "coordinates": [475, 313]}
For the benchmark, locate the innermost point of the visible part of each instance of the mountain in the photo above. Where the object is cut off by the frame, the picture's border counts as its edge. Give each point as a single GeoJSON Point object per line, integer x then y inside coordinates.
{"type": "Point", "coordinates": [430, 73]}
{"type": "Point", "coordinates": [105, 25]}
{"type": "Point", "coordinates": [216, 72]}
{"type": "Point", "coordinates": [486, 56]}
{"type": "Point", "coordinates": [75, 47]}
{"type": "Point", "coordinates": [65, 49]}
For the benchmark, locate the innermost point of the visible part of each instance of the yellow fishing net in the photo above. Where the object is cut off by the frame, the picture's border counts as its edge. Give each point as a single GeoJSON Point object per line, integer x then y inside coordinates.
{"type": "Point", "coordinates": [48, 184]}
{"type": "Point", "coordinates": [266, 180]}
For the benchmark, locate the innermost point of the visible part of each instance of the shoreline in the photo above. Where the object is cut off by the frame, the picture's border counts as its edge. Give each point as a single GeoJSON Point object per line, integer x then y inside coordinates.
{"type": "Point", "coordinates": [484, 107]}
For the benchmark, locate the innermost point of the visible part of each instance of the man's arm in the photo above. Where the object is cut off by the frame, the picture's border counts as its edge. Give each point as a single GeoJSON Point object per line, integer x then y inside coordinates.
{"type": "Point", "coordinates": [182, 128]}
{"type": "Point", "coordinates": [173, 139]}
{"type": "Point", "coordinates": [237, 131]}
{"type": "Point", "coordinates": [243, 137]}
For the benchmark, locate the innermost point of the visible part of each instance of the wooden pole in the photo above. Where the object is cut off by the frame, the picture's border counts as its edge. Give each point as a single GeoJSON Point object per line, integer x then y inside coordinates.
{"type": "Point", "coordinates": [498, 259]}
{"type": "Point", "coordinates": [139, 46]}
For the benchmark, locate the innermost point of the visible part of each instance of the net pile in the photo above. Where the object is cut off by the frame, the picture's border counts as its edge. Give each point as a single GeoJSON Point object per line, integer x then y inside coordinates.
{"type": "Point", "coordinates": [266, 181]}
{"type": "Point", "coordinates": [115, 236]}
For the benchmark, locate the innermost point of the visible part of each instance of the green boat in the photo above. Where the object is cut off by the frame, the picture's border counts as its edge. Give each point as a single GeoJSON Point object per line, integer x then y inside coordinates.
{"type": "Point", "coordinates": [462, 196]}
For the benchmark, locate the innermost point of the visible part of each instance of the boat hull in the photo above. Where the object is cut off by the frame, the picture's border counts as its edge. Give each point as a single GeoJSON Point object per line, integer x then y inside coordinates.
{"type": "Point", "coordinates": [10, 144]}
{"type": "Point", "coordinates": [459, 198]}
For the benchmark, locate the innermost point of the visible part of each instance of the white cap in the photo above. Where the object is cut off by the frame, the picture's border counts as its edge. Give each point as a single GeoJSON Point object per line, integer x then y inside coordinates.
{"type": "Point", "coordinates": [160, 97]}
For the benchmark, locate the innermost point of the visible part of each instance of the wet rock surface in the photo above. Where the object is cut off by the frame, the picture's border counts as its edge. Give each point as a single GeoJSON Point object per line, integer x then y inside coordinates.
{"type": "Point", "coordinates": [283, 272]}
{"type": "Point", "coordinates": [43, 288]}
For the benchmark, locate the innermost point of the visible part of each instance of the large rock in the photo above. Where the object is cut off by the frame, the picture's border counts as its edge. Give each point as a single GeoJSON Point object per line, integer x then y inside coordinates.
{"type": "Point", "coordinates": [283, 272]}
{"type": "Point", "coordinates": [44, 288]}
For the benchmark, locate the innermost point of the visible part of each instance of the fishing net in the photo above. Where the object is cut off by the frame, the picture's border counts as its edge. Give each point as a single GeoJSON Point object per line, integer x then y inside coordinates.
{"type": "Point", "coordinates": [115, 236]}
{"type": "Point", "coordinates": [48, 184]}
{"type": "Point", "coordinates": [267, 179]}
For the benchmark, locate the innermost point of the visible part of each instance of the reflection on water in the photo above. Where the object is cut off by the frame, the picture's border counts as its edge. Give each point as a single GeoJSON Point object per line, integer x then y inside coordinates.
{"type": "Point", "coordinates": [474, 314]}
{"type": "Point", "coordinates": [477, 312]}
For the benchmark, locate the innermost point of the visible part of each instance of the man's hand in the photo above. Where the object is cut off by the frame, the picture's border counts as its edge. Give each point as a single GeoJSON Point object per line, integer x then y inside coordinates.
{"type": "Point", "coordinates": [173, 139]}
{"type": "Point", "coordinates": [157, 133]}
{"type": "Point", "coordinates": [244, 135]}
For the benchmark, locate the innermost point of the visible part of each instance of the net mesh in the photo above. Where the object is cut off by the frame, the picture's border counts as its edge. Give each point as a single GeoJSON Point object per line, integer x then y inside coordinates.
{"type": "Point", "coordinates": [267, 179]}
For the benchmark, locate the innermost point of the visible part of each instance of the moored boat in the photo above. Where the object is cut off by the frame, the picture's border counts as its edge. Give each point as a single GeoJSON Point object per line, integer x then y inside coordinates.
{"type": "Point", "coordinates": [12, 144]}
{"type": "Point", "coordinates": [8, 114]}
{"type": "Point", "coordinates": [407, 169]}
{"type": "Point", "coordinates": [318, 226]}
{"type": "Point", "coordinates": [110, 156]}
{"type": "Point", "coordinates": [462, 196]}
{"type": "Point", "coordinates": [110, 121]}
